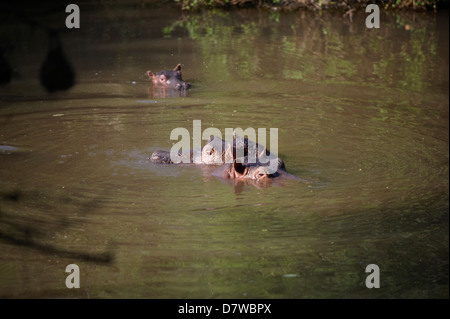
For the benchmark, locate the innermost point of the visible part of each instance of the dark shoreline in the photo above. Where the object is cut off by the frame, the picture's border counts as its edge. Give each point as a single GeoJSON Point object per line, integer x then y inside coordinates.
{"type": "Point", "coordinates": [316, 5]}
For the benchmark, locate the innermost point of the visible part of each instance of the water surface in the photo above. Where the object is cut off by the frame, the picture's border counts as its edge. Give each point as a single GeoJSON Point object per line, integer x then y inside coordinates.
{"type": "Point", "coordinates": [363, 113]}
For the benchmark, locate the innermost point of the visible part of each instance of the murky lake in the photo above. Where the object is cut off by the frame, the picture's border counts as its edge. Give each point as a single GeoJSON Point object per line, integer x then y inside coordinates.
{"type": "Point", "coordinates": [364, 113]}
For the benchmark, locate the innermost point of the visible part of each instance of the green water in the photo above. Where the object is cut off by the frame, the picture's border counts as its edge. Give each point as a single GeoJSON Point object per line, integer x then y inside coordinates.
{"type": "Point", "coordinates": [363, 113]}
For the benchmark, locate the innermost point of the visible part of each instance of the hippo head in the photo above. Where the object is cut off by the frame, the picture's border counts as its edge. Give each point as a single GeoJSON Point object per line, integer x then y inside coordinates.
{"type": "Point", "coordinates": [218, 151]}
{"type": "Point", "coordinates": [169, 79]}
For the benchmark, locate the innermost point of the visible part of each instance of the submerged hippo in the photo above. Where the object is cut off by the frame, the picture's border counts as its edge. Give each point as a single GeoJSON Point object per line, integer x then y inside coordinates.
{"type": "Point", "coordinates": [171, 79]}
{"type": "Point", "coordinates": [161, 157]}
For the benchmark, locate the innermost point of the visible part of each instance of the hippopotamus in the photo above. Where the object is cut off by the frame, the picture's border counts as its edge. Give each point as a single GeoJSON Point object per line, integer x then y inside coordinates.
{"type": "Point", "coordinates": [242, 160]}
{"type": "Point", "coordinates": [171, 79]}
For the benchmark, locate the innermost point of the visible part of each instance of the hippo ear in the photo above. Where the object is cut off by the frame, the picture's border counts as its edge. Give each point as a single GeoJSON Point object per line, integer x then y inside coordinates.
{"type": "Point", "coordinates": [150, 74]}
{"type": "Point", "coordinates": [210, 139]}
{"type": "Point", "coordinates": [178, 67]}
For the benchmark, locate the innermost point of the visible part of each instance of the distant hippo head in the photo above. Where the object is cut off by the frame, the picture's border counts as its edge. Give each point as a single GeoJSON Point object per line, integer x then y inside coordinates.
{"type": "Point", "coordinates": [169, 79]}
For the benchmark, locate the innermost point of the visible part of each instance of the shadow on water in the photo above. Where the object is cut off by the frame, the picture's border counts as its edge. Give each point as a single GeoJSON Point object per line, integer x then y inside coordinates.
{"type": "Point", "coordinates": [56, 72]}
{"type": "Point", "coordinates": [405, 241]}
{"type": "Point", "coordinates": [48, 215]}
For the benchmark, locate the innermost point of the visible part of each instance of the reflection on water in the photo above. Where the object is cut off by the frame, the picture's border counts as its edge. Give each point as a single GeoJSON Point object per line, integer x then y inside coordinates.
{"type": "Point", "coordinates": [363, 113]}
{"type": "Point", "coordinates": [162, 92]}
